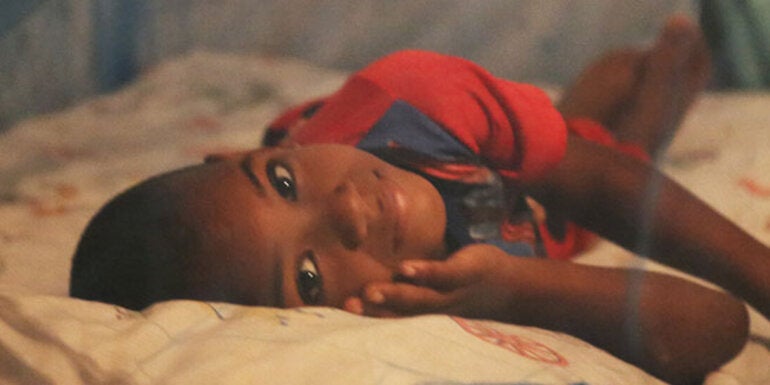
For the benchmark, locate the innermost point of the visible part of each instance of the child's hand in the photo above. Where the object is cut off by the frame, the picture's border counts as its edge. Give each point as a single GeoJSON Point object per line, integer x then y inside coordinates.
{"type": "Point", "coordinates": [472, 282]}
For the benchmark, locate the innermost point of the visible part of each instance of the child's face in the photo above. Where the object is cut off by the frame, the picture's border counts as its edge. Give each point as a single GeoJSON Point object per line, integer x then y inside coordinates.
{"type": "Point", "coordinates": [309, 225]}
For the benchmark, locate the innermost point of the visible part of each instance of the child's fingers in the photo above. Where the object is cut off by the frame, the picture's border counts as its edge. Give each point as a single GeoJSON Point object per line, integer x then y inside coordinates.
{"type": "Point", "coordinates": [353, 305]}
{"type": "Point", "coordinates": [358, 306]}
{"type": "Point", "coordinates": [440, 275]}
{"type": "Point", "coordinates": [462, 268]}
{"type": "Point", "coordinates": [402, 299]}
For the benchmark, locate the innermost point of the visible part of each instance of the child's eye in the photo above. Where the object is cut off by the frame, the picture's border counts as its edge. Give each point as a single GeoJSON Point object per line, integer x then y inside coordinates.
{"type": "Point", "coordinates": [282, 180]}
{"type": "Point", "coordinates": [309, 281]}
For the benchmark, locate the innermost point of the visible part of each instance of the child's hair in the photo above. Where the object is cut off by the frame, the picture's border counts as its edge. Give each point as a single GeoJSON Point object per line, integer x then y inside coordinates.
{"type": "Point", "coordinates": [135, 251]}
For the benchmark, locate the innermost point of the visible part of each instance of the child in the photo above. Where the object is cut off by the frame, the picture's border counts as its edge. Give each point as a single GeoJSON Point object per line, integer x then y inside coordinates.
{"type": "Point", "coordinates": [438, 220]}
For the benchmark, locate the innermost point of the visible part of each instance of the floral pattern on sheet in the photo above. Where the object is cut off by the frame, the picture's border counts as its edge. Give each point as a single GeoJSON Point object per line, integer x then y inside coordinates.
{"type": "Point", "coordinates": [523, 346]}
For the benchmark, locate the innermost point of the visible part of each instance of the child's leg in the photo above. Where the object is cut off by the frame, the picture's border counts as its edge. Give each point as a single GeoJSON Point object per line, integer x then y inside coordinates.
{"type": "Point", "coordinates": [604, 88]}
{"type": "Point", "coordinates": [642, 96]}
{"type": "Point", "coordinates": [676, 71]}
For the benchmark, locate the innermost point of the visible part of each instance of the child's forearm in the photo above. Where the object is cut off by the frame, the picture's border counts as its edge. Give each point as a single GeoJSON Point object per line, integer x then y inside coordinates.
{"type": "Point", "coordinates": [634, 205]}
{"type": "Point", "coordinates": [672, 328]}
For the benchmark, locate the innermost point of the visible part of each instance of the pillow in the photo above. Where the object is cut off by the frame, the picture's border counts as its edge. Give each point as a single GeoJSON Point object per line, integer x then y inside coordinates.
{"type": "Point", "coordinates": [47, 339]}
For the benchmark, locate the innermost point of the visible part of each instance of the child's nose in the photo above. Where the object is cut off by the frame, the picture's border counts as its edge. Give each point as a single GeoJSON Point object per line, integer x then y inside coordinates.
{"type": "Point", "coordinates": [347, 215]}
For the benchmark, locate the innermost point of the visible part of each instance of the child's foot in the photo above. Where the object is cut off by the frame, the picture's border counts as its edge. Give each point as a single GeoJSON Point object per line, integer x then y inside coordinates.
{"type": "Point", "coordinates": [604, 87]}
{"type": "Point", "coordinates": [675, 72]}
{"type": "Point", "coordinates": [642, 96]}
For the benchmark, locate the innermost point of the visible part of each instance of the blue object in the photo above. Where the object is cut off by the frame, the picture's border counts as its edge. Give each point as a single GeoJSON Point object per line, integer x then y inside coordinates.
{"type": "Point", "coordinates": [13, 11]}
{"type": "Point", "coordinates": [116, 28]}
{"type": "Point", "coordinates": [738, 32]}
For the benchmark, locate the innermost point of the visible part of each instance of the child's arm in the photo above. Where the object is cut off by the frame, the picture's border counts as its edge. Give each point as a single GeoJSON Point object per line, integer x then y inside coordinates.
{"type": "Point", "coordinates": [633, 204]}
{"type": "Point", "coordinates": [672, 328]}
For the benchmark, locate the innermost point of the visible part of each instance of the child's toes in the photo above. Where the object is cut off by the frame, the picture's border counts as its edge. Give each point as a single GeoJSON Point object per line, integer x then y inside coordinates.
{"type": "Point", "coordinates": [603, 86]}
{"type": "Point", "coordinates": [699, 66]}
{"type": "Point", "coordinates": [667, 87]}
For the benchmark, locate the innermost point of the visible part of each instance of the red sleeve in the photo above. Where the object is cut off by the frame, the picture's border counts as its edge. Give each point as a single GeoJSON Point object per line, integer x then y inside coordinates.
{"type": "Point", "coordinates": [512, 126]}
{"type": "Point", "coordinates": [591, 130]}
